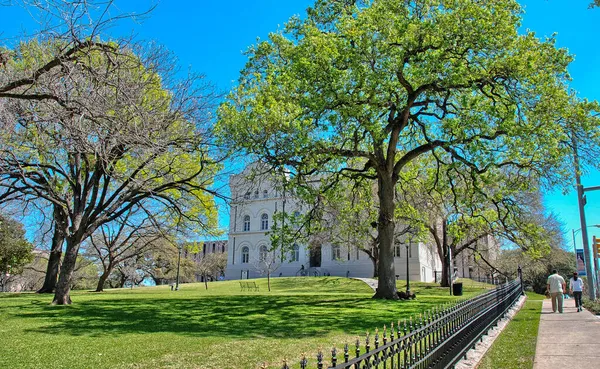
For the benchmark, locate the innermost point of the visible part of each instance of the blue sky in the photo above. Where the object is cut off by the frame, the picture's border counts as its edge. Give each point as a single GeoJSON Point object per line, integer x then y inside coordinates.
{"type": "Point", "coordinates": [210, 36]}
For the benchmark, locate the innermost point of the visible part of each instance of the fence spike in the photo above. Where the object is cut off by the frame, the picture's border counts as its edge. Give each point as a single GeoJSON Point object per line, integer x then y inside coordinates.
{"type": "Point", "coordinates": [358, 346]}
{"type": "Point", "coordinates": [285, 365]}
{"type": "Point", "coordinates": [376, 337]}
{"type": "Point", "coordinates": [384, 334]}
{"type": "Point", "coordinates": [346, 355]}
{"type": "Point", "coordinates": [303, 362]}
{"type": "Point", "coordinates": [333, 356]}
{"type": "Point", "coordinates": [320, 359]}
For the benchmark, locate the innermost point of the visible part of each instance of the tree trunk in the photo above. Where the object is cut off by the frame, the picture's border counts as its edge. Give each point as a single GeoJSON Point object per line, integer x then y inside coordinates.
{"type": "Point", "coordinates": [58, 240]}
{"type": "Point", "coordinates": [446, 262]}
{"type": "Point", "coordinates": [103, 278]}
{"type": "Point", "coordinates": [205, 282]}
{"type": "Point", "coordinates": [387, 273]}
{"type": "Point", "coordinates": [63, 287]}
{"type": "Point", "coordinates": [122, 280]}
{"type": "Point", "coordinates": [375, 259]}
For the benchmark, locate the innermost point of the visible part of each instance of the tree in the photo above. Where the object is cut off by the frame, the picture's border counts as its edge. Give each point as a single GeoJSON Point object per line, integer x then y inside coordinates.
{"type": "Point", "coordinates": [15, 250]}
{"type": "Point", "coordinates": [268, 262]}
{"type": "Point", "coordinates": [461, 213]}
{"type": "Point", "coordinates": [392, 81]}
{"type": "Point", "coordinates": [126, 238]}
{"type": "Point", "coordinates": [536, 269]}
{"type": "Point", "coordinates": [160, 264]}
{"type": "Point", "coordinates": [212, 266]}
{"type": "Point", "coordinates": [120, 132]}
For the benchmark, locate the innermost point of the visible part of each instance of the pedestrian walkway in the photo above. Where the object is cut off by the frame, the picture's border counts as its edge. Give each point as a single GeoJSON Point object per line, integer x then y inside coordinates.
{"type": "Point", "coordinates": [370, 281]}
{"type": "Point", "coordinates": [568, 340]}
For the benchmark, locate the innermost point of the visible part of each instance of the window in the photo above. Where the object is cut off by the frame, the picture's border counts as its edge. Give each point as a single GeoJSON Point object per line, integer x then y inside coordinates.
{"type": "Point", "coordinates": [264, 221]}
{"type": "Point", "coordinates": [265, 194]}
{"type": "Point", "coordinates": [204, 249]}
{"type": "Point", "coordinates": [295, 254]}
{"type": "Point", "coordinates": [247, 223]}
{"type": "Point", "coordinates": [336, 252]}
{"type": "Point", "coordinates": [398, 251]}
{"type": "Point", "coordinates": [245, 255]}
{"type": "Point", "coordinates": [247, 196]}
{"type": "Point", "coordinates": [214, 244]}
{"type": "Point", "coordinates": [263, 253]}
{"type": "Point", "coordinates": [256, 194]}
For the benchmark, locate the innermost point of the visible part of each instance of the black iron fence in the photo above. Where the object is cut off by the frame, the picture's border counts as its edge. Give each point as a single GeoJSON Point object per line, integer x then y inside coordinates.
{"type": "Point", "coordinates": [435, 339]}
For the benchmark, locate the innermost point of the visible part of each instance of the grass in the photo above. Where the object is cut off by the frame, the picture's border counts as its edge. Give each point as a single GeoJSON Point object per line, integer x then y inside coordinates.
{"type": "Point", "coordinates": [515, 347]}
{"type": "Point", "coordinates": [221, 327]}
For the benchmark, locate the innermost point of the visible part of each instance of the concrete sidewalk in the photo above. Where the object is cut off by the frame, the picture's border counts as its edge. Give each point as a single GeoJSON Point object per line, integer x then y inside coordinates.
{"type": "Point", "coordinates": [568, 340]}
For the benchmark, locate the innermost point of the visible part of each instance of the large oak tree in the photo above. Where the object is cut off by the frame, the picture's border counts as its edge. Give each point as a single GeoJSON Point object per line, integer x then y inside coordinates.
{"type": "Point", "coordinates": [390, 81]}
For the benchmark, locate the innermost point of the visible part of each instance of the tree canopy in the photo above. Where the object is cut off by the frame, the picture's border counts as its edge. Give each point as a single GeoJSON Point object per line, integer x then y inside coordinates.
{"type": "Point", "coordinates": [388, 82]}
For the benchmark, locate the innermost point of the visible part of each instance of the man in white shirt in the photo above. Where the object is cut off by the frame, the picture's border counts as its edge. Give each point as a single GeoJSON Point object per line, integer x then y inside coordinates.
{"type": "Point", "coordinates": [556, 286]}
{"type": "Point", "coordinates": [576, 289]}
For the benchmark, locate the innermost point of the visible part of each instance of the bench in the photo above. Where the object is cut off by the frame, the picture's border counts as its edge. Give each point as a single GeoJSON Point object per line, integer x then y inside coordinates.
{"type": "Point", "coordinates": [248, 286]}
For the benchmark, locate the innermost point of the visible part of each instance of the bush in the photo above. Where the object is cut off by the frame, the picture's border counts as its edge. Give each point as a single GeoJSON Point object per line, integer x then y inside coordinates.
{"type": "Point", "coordinates": [593, 306]}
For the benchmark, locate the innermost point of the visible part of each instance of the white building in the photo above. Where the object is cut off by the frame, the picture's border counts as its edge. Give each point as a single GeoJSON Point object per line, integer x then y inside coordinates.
{"type": "Point", "coordinates": [256, 199]}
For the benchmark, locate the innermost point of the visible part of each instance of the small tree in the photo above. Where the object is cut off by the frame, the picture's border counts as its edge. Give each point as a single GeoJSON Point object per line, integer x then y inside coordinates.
{"type": "Point", "coordinates": [212, 265]}
{"type": "Point", "coordinates": [126, 238]}
{"type": "Point", "coordinates": [267, 263]}
{"type": "Point", "coordinates": [15, 250]}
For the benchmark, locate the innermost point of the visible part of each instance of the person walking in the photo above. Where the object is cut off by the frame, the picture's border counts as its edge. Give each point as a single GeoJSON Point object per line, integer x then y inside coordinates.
{"type": "Point", "coordinates": [556, 286]}
{"type": "Point", "coordinates": [576, 289]}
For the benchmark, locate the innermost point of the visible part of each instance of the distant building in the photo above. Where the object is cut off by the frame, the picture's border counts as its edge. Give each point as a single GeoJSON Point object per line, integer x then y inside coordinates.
{"type": "Point", "coordinates": [198, 251]}
{"type": "Point", "coordinates": [468, 264]}
{"type": "Point", "coordinates": [256, 199]}
{"type": "Point", "coordinates": [205, 248]}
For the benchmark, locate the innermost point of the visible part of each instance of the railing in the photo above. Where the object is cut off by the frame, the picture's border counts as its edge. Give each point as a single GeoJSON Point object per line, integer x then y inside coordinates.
{"type": "Point", "coordinates": [435, 339]}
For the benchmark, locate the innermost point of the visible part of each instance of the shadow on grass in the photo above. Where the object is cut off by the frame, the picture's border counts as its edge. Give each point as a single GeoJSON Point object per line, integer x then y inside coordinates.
{"type": "Point", "coordinates": [222, 316]}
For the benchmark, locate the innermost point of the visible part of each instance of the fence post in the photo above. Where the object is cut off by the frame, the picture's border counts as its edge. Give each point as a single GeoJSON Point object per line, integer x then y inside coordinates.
{"type": "Point", "coordinates": [520, 273]}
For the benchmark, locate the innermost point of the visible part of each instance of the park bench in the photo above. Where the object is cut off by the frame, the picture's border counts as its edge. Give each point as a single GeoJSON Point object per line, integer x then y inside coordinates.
{"type": "Point", "coordinates": [248, 286]}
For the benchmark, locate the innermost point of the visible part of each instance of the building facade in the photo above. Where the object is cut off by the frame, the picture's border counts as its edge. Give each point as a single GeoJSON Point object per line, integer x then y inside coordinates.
{"type": "Point", "coordinates": [256, 198]}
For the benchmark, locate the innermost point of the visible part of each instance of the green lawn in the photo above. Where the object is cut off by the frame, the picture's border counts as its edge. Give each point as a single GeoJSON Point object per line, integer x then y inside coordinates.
{"type": "Point", "coordinates": [515, 347]}
{"type": "Point", "coordinates": [221, 327]}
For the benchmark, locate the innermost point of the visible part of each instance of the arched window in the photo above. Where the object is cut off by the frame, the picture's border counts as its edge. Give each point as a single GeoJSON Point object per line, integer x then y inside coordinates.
{"type": "Point", "coordinates": [295, 254]}
{"type": "Point", "coordinates": [265, 194]}
{"type": "Point", "coordinates": [263, 253]}
{"type": "Point", "coordinates": [264, 221]}
{"type": "Point", "coordinates": [214, 247]}
{"type": "Point", "coordinates": [397, 251]}
{"type": "Point", "coordinates": [246, 223]}
{"type": "Point", "coordinates": [336, 252]}
{"type": "Point", "coordinates": [256, 194]}
{"type": "Point", "coordinates": [245, 255]}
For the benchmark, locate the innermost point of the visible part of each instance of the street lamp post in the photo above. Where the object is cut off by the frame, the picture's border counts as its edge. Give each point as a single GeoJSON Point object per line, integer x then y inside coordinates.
{"type": "Point", "coordinates": [407, 270]}
{"type": "Point", "coordinates": [178, 263]}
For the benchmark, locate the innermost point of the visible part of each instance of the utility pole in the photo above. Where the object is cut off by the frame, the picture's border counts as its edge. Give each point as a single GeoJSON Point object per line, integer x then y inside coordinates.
{"type": "Point", "coordinates": [589, 261]}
